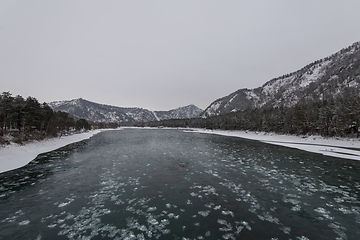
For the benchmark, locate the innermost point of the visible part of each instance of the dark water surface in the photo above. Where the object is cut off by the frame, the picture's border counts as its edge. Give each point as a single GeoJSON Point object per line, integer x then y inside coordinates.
{"type": "Point", "coordinates": [170, 184]}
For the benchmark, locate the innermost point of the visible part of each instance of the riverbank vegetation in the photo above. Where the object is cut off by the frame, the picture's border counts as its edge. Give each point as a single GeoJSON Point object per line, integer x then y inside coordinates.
{"type": "Point", "coordinates": [329, 117]}
{"type": "Point", "coordinates": [23, 120]}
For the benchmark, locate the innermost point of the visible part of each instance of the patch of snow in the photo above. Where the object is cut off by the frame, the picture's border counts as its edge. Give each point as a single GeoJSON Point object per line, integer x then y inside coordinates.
{"type": "Point", "coordinates": [211, 111]}
{"type": "Point", "coordinates": [316, 73]}
{"type": "Point", "coordinates": [16, 156]}
{"type": "Point", "coordinates": [215, 106]}
{"type": "Point", "coordinates": [251, 96]}
{"type": "Point", "coordinates": [228, 103]}
{"type": "Point", "coordinates": [157, 118]}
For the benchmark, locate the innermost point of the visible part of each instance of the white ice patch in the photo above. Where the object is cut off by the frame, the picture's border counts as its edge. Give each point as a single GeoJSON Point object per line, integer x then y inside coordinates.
{"type": "Point", "coordinates": [63, 204]}
{"type": "Point", "coordinates": [227, 213]}
{"type": "Point", "coordinates": [324, 213]}
{"type": "Point", "coordinates": [204, 213]}
{"type": "Point", "coordinates": [23, 223]}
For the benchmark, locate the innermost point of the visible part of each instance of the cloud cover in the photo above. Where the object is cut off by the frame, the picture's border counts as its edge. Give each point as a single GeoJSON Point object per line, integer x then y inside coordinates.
{"type": "Point", "coordinates": [163, 54]}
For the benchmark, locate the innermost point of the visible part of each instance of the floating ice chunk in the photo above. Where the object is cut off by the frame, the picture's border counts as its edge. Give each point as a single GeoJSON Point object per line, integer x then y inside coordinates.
{"type": "Point", "coordinates": [130, 209]}
{"type": "Point", "coordinates": [223, 222]}
{"type": "Point", "coordinates": [302, 238]}
{"type": "Point", "coordinates": [23, 223]}
{"type": "Point", "coordinates": [204, 213]}
{"type": "Point", "coordinates": [340, 230]}
{"type": "Point", "coordinates": [152, 221]}
{"type": "Point", "coordinates": [165, 221]}
{"type": "Point", "coordinates": [296, 208]}
{"type": "Point", "coordinates": [286, 230]}
{"type": "Point", "coordinates": [267, 217]}
{"type": "Point", "coordinates": [143, 228]}
{"type": "Point", "coordinates": [140, 236]}
{"type": "Point", "coordinates": [227, 213]}
{"type": "Point", "coordinates": [193, 194]}
{"type": "Point", "coordinates": [70, 200]}
{"type": "Point", "coordinates": [151, 209]}
{"type": "Point", "coordinates": [228, 236]}
{"type": "Point", "coordinates": [246, 224]}
{"type": "Point", "coordinates": [51, 225]}
{"type": "Point", "coordinates": [217, 207]}
{"type": "Point", "coordinates": [324, 213]}
{"type": "Point", "coordinates": [239, 229]}
{"type": "Point", "coordinates": [345, 210]}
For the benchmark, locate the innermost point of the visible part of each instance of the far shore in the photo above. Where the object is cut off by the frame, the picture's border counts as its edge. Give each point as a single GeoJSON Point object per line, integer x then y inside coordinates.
{"type": "Point", "coordinates": [348, 148]}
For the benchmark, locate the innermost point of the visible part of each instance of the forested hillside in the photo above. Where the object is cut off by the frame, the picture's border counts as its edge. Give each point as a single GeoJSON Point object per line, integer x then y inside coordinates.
{"type": "Point", "coordinates": [334, 76]}
{"type": "Point", "coordinates": [331, 117]}
{"type": "Point", "coordinates": [95, 112]}
{"type": "Point", "coordinates": [22, 120]}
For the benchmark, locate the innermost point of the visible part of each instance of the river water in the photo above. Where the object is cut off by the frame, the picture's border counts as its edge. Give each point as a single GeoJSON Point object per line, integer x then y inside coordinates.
{"type": "Point", "coordinates": [171, 184]}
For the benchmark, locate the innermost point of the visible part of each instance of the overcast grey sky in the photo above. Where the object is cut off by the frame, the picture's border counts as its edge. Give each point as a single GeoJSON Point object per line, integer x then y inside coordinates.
{"type": "Point", "coordinates": [162, 55]}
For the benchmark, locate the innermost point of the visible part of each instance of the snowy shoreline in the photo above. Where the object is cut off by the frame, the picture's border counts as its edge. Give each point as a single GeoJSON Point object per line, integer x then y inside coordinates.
{"type": "Point", "coordinates": [15, 156]}
{"type": "Point", "coordinates": [335, 147]}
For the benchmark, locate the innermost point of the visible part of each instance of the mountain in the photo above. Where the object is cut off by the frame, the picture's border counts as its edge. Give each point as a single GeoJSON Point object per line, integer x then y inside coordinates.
{"type": "Point", "coordinates": [336, 75]}
{"type": "Point", "coordinates": [95, 112]}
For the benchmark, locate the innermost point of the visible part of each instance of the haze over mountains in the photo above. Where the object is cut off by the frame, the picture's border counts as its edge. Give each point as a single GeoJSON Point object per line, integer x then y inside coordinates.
{"type": "Point", "coordinates": [333, 76]}
{"type": "Point", "coordinates": [336, 75]}
{"type": "Point", "coordinates": [95, 112]}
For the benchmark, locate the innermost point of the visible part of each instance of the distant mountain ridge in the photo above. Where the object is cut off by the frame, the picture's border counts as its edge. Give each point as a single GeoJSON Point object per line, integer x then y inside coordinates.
{"type": "Point", "coordinates": [338, 74]}
{"type": "Point", "coordinates": [95, 112]}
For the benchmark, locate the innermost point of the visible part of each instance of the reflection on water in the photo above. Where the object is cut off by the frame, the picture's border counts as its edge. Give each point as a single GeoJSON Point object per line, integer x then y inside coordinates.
{"type": "Point", "coordinates": [168, 184]}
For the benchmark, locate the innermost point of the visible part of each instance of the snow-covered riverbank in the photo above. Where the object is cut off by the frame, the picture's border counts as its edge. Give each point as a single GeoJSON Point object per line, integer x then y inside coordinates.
{"type": "Point", "coordinates": [336, 147]}
{"type": "Point", "coordinates": [16, 156]}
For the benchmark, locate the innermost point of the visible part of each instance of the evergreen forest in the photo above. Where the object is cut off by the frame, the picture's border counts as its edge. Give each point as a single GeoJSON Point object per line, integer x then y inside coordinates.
{"type": "Point", "coordinates": [329, 117]}
{"type": "Point", "coordinates": [23, 120]}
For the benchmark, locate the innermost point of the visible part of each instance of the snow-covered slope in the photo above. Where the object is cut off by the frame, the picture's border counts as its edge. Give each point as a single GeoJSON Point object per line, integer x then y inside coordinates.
{"type": "Point", "coordinates": [190, 111]}
{"type": "Point", "coordinates": [95, 112]}
{"type": "Point", "coordinates": [332, 76]}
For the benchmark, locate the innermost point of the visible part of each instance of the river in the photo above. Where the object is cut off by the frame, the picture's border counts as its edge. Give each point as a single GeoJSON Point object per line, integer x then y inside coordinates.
{"type": "Point", "coordinates": [171, 184]}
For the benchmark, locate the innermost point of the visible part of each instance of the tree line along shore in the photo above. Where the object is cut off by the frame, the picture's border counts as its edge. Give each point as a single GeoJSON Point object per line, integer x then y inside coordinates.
{"type": "Point", "coordinates": [23, 120]}
{"type": "Point", "coordinates": [330, 117]}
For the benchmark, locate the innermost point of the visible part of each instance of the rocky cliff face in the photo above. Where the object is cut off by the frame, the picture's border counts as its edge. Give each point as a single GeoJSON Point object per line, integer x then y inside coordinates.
{"type": "Point", "coordinates": [95, 112]}
{"type": "Point", "coordinates": [336, 75]}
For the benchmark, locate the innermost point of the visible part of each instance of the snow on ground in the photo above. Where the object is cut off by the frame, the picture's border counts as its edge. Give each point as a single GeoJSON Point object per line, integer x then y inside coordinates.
{"type": "Point", "coordinates": [336, 147]}
{"type": "Point", "coordinates": [16, 156]}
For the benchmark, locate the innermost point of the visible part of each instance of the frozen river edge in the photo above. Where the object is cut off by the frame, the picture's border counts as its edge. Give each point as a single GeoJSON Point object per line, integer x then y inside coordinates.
{"type": "Point", "coordinates": [16, 156]}
{"type": "Point", "coordinates": [348, 148]}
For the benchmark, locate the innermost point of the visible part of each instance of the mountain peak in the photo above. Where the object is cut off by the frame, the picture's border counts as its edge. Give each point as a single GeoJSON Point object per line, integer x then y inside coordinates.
{"type": "Point", "coordinates": [331, 76]}
{"type": "Point", "coordinates": [95, 112]}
